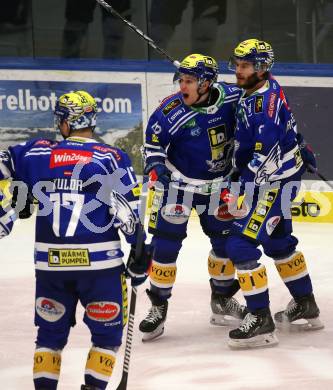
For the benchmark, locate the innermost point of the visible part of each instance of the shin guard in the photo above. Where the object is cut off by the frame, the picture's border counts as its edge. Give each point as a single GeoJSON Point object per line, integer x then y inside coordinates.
{"type": "Point", "coordinates": [99, 366]}
{"type": "Point", "coordinates": [254, 285]}
{"type": "Point", "coordinates": [46, 370]}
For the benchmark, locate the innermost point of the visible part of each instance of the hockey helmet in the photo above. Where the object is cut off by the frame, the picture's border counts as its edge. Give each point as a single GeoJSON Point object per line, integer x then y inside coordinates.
{"type": "Point", "coordinates": [200, 66]}
{"type": "Point", "coordinates": [79, 108]}
{"type": "Point", "coordinates": [260, 53]}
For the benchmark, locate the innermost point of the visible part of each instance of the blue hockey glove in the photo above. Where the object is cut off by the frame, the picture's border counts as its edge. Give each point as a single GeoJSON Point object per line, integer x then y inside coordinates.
{"type": "Point", "coordinates": [137, 267]}
{"type": "Point", "coordinates": [307, 154]}
{"type": "Point", "coordinates": [159, 175]}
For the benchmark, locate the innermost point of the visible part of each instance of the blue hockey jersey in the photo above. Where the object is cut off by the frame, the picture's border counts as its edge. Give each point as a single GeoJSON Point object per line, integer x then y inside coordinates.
{"type": "Point", "coordinates": [266, 148]}
{"type": "Point", "coordinates": [86, 191]}
{"type": "Point", "coordinates": [195, 143]}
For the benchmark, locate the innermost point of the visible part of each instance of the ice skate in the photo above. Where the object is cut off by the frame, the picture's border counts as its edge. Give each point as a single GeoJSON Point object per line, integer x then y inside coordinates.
{"type": "Point", "coordinates": [226, 310]}
{"type": "Point", "coordinates": [301, 314]}
{"type": "Point", "coordinates": [89, 387]}
{"type": "Point", "coordinates": [255, 331]}
{"type": "Point", "coordinates": [153, 325]}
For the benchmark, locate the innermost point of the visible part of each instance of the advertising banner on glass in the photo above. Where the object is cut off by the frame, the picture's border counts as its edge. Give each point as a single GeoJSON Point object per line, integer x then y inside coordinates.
{"type": "Point", "coordinates": [26, 111]}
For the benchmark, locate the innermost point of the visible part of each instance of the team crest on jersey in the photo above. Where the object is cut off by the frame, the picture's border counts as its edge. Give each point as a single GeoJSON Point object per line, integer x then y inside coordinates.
{"type": "Point", "coordinates": [259, 103]}
{"type": "Point", "coordinates": [171, 106]}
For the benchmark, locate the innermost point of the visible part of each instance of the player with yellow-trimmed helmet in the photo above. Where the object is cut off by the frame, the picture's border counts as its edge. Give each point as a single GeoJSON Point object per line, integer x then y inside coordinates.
{"type": "Point", "coordinates": [196, 75]}
{"type": "Point", "coordinates": [260, 53]}
{"type": "Point", "coordinates": [252, 61]}
{"type": "Point", "coordinates": [78, 109]}
{"type": "Point", "coordinates": [201, 66]}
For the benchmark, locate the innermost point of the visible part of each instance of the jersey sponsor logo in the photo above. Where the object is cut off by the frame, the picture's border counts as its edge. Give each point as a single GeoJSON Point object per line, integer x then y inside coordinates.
{"type": "Point", "coordinates": [222, 213]}
{"type": "Point", "coordinates": [175, 213]}
{"type": "Point", "coordinates": [213, 120]}
{"type": "Point", "coordinates": [49, 309]}
{"type": "Point", "coordinates": [165, 99]}
{"type": "Point", "coordinates": [258, 146]}
{"type": "Point", "coordinates": [68, 257]}
{"type": "Point", "coordinates": [258, 105]}
{"type": "Point", "coordinates": [271, 104]}
{"type": "Point", "coordinates": [191, 123]}
{"type": "Point", "coordinates": [157, 128]}
{"type": "Point", "coordinates": [154, 138]}
{"type": "Point", "coordinates": [102, 311]}
{"type": "Point", "coordinates": [171, 106]}
{"type": "Point", "coordinates": [217, 138]}
{"type": "Point", "coordinates": [176, 115]}
{"type": "Point", "coordinates": [63, 157]}
{"type": "Point", "coordinates": [195, 132]}
{"type": "Point", "coordinates": [254, 226]}
{"type": "Point", "coordinates": [272, 223]}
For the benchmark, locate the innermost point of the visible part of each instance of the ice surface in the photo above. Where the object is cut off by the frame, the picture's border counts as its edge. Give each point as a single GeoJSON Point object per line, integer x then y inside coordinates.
{"type": "Point", "coordinates": [192, 354]}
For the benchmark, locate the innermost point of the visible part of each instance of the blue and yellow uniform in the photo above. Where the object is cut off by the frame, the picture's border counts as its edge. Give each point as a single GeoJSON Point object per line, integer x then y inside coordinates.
{"type": "Point", "coordinates": [269, 161]}
{"type": "Point", "coordinates": [196, 145]}
{"type": "Point", "coordinates": [86, 192]}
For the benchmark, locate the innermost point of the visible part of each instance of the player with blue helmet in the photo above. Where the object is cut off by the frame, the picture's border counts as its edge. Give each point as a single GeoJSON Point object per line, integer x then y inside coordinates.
{"type": "Point", "coordinates": [188, 151]}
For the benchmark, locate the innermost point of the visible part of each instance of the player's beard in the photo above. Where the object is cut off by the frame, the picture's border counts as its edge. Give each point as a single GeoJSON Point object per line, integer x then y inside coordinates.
{"type": "Point", "coordinates": [250, 83]}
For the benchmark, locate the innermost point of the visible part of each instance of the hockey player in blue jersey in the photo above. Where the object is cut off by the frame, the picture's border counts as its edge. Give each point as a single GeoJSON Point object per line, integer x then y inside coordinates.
{"type": "Point", "coordinates": [188, 150]}
{"type": "Point", "coordinates": [270, 163]}
{"type": "Point", "coordinates": [86, 191]}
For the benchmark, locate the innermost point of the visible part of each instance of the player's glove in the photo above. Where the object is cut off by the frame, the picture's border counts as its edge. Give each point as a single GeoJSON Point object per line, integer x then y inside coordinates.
{"type": "Point", "coordinates": [159, 175]}
{"type": "Point", "coordinates": [137, 267]}
{"type": "Point", "coordinates": [307, 154]}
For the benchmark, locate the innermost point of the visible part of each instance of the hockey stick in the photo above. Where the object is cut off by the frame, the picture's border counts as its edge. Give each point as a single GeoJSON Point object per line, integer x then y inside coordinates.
{"type": "Point", "coordinates": [150, 42]}
{"type": "Point", "coordinates": [130, 327]}
{"type": "Point", "coordinates": [315, 171]}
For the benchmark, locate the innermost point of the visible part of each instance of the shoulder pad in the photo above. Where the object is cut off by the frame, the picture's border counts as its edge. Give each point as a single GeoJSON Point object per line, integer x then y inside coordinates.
{"type": "Point", "coordinates": [104, 148]}
{"type": "Point", "coordinates": [43, 143]}
{"type": "Point", "coordinates": [231, 88]}
{"type": "Point", "coordinates": [170, 104]}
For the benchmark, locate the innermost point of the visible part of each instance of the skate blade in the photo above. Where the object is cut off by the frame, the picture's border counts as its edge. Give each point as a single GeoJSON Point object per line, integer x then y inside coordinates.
{"type": "Point", "coordinates": [149, 336]}
{"type": "Point", "coordinates": [224, 320]}
{"type": "Point", "coordinates": [303, 325]}
{"type": "Point", "coordinates": [261, 341]}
